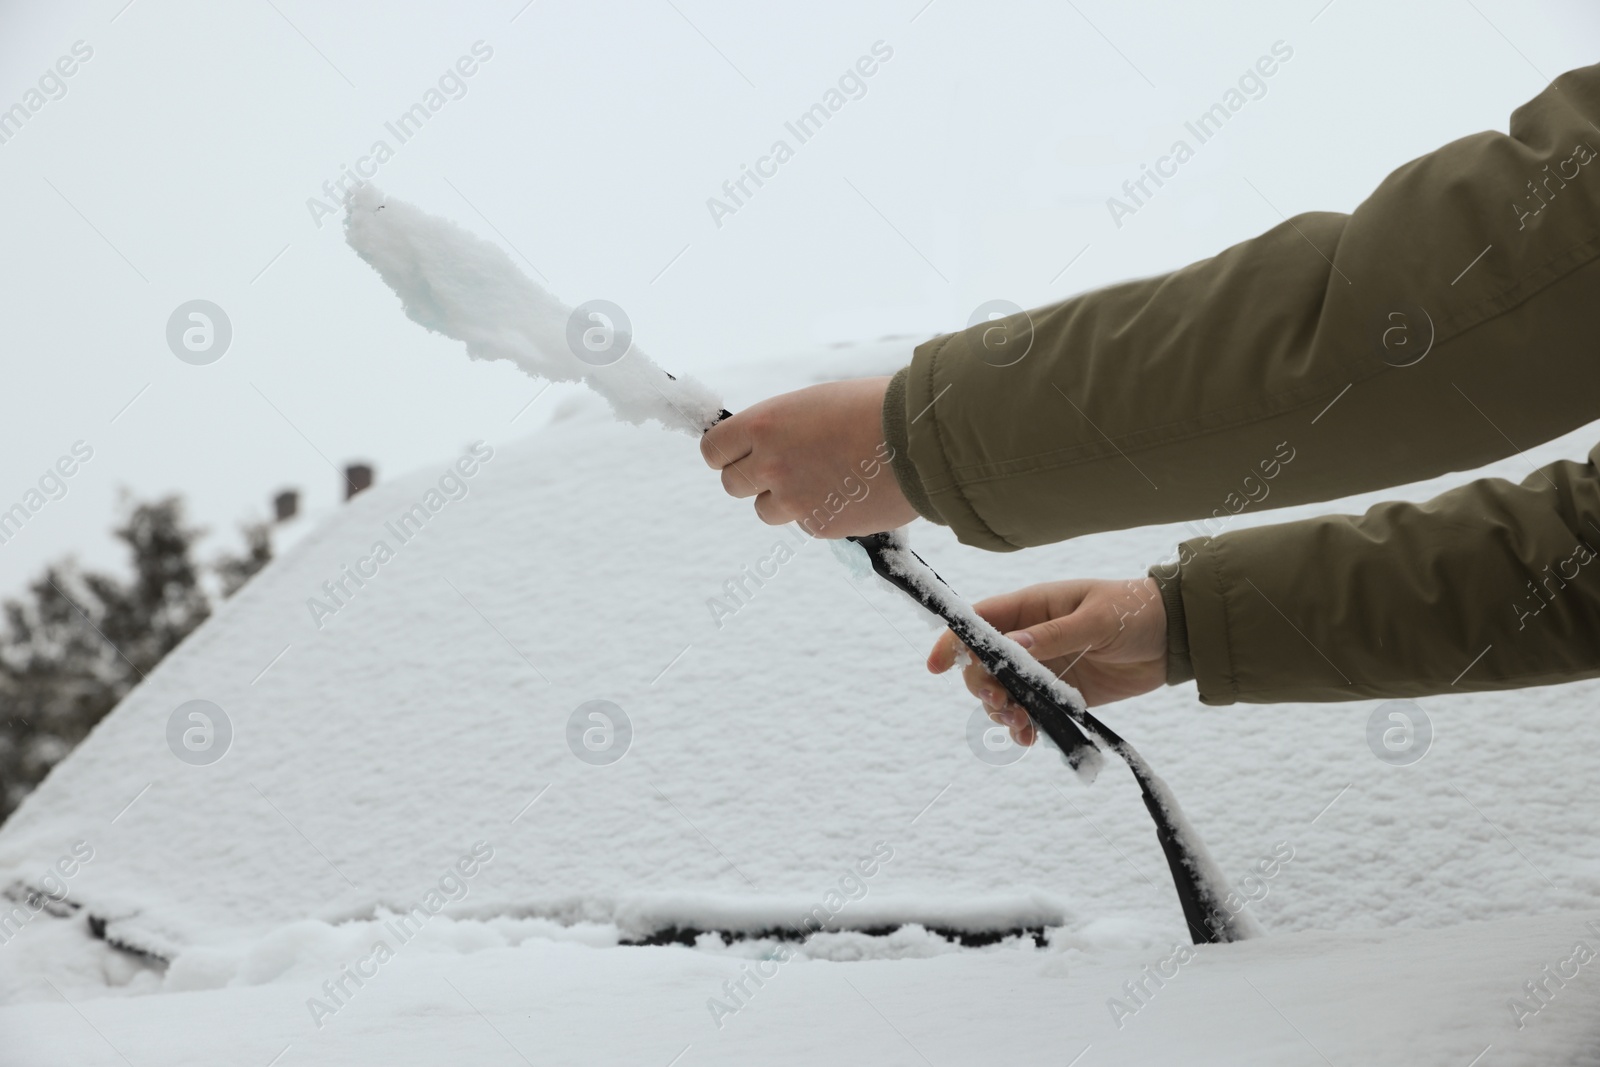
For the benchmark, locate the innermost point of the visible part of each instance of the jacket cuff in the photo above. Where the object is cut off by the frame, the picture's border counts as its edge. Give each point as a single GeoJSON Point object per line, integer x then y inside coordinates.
{"type": "Point", "coordinates": [1203, 595]}
{"type": "Point", "coordinates": [926, 434]}
{"type": "Point", "coordinates": [897, 434]}
{"type": "Point", "coordinates": [1180, 668]}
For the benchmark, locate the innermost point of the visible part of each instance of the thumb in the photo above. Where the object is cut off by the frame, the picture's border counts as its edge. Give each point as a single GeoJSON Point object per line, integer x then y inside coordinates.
{"type": "Point", "coordinates": [1064, 636]}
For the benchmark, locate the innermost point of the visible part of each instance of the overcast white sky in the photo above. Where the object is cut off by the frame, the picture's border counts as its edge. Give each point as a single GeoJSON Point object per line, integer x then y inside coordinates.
{"type": "Point", "coordinates": [977, 166]}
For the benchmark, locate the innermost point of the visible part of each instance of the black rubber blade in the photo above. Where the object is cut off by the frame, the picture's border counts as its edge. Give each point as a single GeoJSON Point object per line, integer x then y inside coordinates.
{"type": "Point", "coordinates": [1051, 717]}
{"type": "Point", "coordinates": [1078, 733]}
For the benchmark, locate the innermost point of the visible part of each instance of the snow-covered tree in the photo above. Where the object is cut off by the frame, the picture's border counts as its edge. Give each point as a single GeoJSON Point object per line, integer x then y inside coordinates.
{"type": "Point", "coordinates": [79, 640]}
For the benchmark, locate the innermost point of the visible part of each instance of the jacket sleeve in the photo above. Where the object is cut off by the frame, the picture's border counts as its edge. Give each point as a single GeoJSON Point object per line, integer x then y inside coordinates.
{"type": "Point", "coordinates": [1446, 322]}
{"type": "Point", "coordinates": [1489, 586]}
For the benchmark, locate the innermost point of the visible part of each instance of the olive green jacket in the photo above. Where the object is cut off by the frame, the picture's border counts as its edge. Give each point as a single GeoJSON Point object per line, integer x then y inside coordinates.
{"type": "Point", "coordinates": [1449, 321]}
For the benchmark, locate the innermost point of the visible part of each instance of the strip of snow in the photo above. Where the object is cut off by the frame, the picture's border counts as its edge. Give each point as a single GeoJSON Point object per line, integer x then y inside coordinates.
{"type": "Point", "coordinates": [647, 914]}
{"type": "Point", "coordinates": [1435, 998]}
{"type": "Point", "coordinates": [908, 565]}
{"type": "Point", "coordinates": [312, 949]}
{"type": "Point", "coordinates": [904, 562]}
{"type": "Point", "coordinates": [458, 284]}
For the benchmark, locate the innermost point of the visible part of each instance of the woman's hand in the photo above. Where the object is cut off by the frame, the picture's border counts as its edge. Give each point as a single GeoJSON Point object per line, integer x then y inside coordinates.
{"type": "Point", "coordinates": [816, 456]}
{"type": "Point", "coordinates": [1106, 639]}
